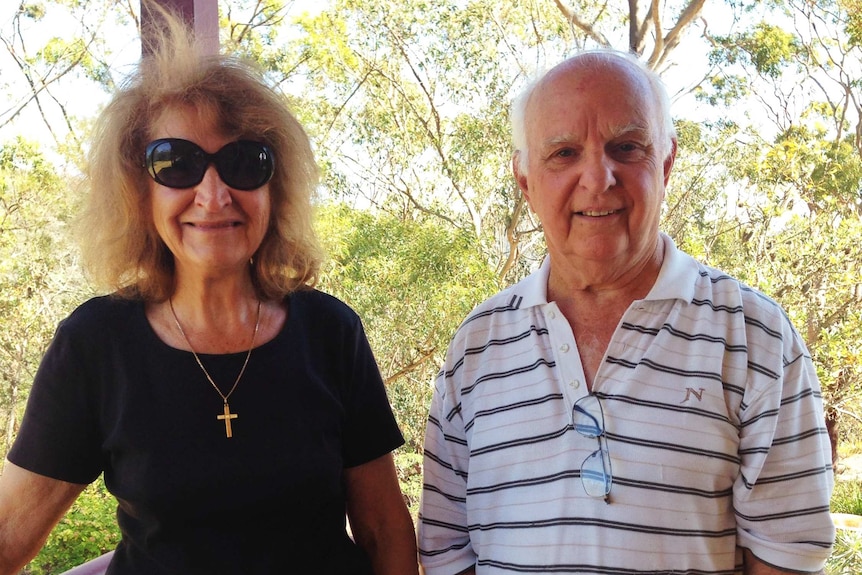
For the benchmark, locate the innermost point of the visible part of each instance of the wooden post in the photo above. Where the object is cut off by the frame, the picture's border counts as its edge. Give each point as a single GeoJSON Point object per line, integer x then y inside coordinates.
{"type": "Point", "coordinates": [201, 15]}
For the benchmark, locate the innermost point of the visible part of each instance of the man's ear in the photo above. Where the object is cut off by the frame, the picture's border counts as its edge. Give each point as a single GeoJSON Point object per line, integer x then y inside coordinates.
{"type": "Point", "coordinates": [520, 177]}
{"type": "Point", "coordinates": [668, 162]}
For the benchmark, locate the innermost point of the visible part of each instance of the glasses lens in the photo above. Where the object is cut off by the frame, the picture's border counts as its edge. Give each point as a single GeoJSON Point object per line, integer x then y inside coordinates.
{"type": "Point", "coordinates": [176, 163]}
{"type": "Point", "coordinates": [589, 420]}
{"type": "Point", "coordinates": [587, 416]}
{"type": "Point", "coordinates": [596, 473]}
{"type": "Point", "coordinates": [244, 165]}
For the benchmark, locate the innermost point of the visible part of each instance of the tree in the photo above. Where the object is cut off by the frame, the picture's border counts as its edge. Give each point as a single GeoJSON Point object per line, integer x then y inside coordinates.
{"type": "Point", "coordinates": [653, 32]}
{"type": "Point", "coordinates": [799, 178]}
{"type": "Point", "coordinates": [80, 58]}
{"type": "Point", "coordinates": [412, 281]}
{"type": "Point", "coordinates": [35, 286]}
{"type": "Point", "coordinates": [88, 530]}
{"type": "Point", "coordinates": [407, 104]}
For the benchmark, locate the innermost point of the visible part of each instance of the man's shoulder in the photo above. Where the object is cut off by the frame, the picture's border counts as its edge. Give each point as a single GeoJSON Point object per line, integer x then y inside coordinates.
{"type": "Point", "coordinates": [511, 299]}
{"type": "Point", "coordinates": [723, 284]}
{"type": "Point", "coordinates": [725, 294]}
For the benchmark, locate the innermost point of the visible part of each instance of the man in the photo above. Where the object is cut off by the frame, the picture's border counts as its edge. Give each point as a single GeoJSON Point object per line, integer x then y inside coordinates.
{"type": "Point", "coordinates": [625, 409]}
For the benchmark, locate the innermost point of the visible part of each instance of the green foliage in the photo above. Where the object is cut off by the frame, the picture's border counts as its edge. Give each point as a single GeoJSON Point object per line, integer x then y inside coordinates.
{"type": "Point", "coordinates": [853, 26]}
{"type": "Point", "coordinates": [769, 47]}
{"type": "Point", "coordinates": [846, 555]}
{"type": "Point", "coordinates": [32, 10]}
{"type": "Point", "coordinates": [847, 498]}
{"type": "Point", "coordinates": [409, 106]}
{"type": "Point", "coordinates": [36, 289]}
{"type": "Point", "coordinates": [407, 103]}
{"type": "Point", "coordinates": [725, 90]}
{"type": "Point", "coordinates": [412, 282]}
{"type": "Point", "coordinates": [62, 54]}
{"type": "Point", "coordinates": [87, 531]}
{"type": "Point", "coordinates": [766, 48]}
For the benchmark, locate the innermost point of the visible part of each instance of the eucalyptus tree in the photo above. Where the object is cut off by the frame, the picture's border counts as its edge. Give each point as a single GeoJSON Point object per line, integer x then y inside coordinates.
{"type": "Point", "coordinates": [407, 103]}
{"type": "Point", "coordinates": [53, 63]}
{"type": "Point", "coordinates": [794, 227]}
{"type": "Point", "coordinates": [35, 286]}
{"type": "Point", "coordinates": [39, 281]}
{"type": "Point", "coordinates": [409, 100]}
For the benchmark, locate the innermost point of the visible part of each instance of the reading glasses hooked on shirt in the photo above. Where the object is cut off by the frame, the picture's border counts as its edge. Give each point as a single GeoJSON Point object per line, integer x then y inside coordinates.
{"type": "Point", "coordinates": [588, 419]}
{"type": "Point", "coordinates": [175, 163]}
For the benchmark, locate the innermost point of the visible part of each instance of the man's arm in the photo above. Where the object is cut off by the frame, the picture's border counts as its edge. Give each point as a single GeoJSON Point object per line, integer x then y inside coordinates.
{"type": "Point", "coordinates": [754, 566]}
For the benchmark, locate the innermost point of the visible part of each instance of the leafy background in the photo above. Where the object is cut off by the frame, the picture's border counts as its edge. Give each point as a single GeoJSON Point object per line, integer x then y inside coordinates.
{"type": "Point", "coordinates": [407, 105]}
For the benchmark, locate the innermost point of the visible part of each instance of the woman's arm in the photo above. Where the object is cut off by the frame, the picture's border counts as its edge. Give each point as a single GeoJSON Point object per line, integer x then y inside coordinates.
{"type": "Point", "coordinates": [381, 524]}
{"type": "Point", "coordinates": [30, 507]}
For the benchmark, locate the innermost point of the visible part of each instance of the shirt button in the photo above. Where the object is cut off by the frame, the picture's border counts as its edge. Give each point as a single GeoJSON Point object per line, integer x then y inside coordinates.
{"type": "Point", "coordinates": [575, 384]}
{"type": "Point", "coordinates": [552, 315]}
{"type": "Point", "coordinates": [564, 348]}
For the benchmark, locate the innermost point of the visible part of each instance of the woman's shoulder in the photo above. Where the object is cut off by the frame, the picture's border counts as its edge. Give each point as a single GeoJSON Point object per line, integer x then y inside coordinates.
{"type": "Point", "coordinates": [320, 306]}
{"type": "Point", "coordinates": [102, 313]}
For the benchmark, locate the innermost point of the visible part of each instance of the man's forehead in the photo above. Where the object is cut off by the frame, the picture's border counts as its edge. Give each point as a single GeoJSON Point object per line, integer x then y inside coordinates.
{"type": "Point", "coordinates": [637, 130]}
{"type": "Point", "coordinates": [609, 97]}
{"type": "Point", "coordinates": [556, 127]}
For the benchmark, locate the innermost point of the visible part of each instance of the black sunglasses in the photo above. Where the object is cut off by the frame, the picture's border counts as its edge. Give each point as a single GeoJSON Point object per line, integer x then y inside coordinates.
{"type": "Point", "coordinates": [176, 163]}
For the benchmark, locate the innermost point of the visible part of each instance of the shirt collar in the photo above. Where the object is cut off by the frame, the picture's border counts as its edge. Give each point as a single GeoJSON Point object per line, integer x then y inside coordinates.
{"type": "Point", "coordinates": [678, 274]}
{"type": "Point", "coordinates": [676, 279]}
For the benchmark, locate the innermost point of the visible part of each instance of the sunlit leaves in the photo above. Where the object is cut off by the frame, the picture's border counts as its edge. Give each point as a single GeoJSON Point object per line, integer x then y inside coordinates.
{"type": "Point", "coordinates": [32, 10]}
{"type": "Point", "coordinates": [87, 531]}
{"type": "Point", "coordinates": [769, 48]}
{"type": "Point", "coordinates": [412, 281]}
{"type": "Point", "coordinates": [38, 279]}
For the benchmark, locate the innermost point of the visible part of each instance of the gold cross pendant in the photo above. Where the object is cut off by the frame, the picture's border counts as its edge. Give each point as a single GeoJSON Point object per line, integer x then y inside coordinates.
{"type": "Point", "coordinates": [227, 417]}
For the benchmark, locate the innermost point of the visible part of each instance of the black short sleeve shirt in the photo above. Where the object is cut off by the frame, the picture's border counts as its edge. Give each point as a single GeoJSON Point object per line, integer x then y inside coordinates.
{"type": "Point", "coordinates": [111, 397]}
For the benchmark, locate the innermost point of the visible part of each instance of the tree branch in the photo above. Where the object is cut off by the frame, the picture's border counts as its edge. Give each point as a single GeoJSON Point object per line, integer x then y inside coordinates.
{"type": "Point", "coordinates": [584, 27]}
{"type": "Point", "coordinates": [669, 42]}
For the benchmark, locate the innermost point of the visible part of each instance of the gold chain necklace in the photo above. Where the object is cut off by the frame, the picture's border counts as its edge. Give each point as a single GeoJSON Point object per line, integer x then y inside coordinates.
{"type": "Point", "coordinates": [227, 416]}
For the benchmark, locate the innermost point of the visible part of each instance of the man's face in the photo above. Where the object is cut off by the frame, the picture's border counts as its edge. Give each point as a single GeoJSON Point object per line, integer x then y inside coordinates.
{"type": "Point", "coordinates": [594, 176]}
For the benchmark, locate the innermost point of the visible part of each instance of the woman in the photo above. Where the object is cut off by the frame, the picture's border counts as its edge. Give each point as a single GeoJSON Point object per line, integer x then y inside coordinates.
{"type": "Point", "coordinates": [237, 413]}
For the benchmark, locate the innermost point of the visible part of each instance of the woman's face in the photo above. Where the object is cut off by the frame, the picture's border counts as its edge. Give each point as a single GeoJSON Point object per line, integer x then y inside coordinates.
{"type": "Point", "coordinates": [211, 229]}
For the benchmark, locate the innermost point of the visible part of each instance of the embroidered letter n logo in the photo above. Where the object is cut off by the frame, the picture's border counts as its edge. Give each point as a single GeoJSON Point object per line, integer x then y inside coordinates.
{"type": "Point", "coordinates": [690, 391]}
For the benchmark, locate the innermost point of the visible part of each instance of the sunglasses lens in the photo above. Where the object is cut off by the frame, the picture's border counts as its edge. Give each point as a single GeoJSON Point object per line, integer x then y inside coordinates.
{"type": "Point", "coordinates": [176, 163]}
{"type": "Point", "coordinates": [244, 165]}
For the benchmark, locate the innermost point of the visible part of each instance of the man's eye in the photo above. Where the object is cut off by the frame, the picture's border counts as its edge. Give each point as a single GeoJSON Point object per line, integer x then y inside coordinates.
{"type": "Point", "coordinates": [630, 151]}
{"type": "Point", "coordinates": [565, 153]}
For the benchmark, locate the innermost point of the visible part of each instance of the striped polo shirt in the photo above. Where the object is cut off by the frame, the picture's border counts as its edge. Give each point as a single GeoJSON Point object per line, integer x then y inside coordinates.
{"type": "Point", "coordinates": [713, 424]}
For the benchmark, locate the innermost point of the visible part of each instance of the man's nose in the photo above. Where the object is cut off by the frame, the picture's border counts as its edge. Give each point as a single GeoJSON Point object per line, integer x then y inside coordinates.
{"type": "Point", "coordinates": [597, 174]}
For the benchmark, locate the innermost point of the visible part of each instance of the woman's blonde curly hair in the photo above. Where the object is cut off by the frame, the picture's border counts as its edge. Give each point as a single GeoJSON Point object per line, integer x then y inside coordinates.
{"type": "Point", "coordinates": [121, 250]}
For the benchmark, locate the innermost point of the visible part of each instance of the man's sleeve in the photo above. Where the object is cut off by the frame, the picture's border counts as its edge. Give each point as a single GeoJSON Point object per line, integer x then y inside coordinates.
{"type": "Point", "coordinates": [781, 497]}
{"type": "Point", "coordinates": [444, 540]}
